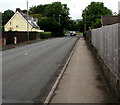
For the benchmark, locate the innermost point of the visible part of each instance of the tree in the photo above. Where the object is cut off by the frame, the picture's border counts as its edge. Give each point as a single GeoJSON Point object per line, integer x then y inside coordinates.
{"type": "Point", "coordinates": [92, 14]}
{"type": "Point", "coordinates": [81, 26]}
{"type": "Point", "coordinates": [6, 16]}
{"type": "Point", "coordinates": [51, 17]}
{"type": "Point", "coordinates": [73, 25]}
{"type": "Point", "coordinates": [60, 13]}
{"type": "Point", "coordinates": [24, 11]}
{"type": "Point", "coordinates": [38, 16]}
{"type": "Point", "coordinates": [0, 23]}
{"type": "Point", "coordinates": [49, 24]}
{"type": "Point", "coordinates": [40, 9]}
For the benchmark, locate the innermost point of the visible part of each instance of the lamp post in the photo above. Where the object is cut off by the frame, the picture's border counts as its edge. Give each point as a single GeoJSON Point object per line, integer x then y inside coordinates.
{"type": "Point", "coordinates": [27, 24]}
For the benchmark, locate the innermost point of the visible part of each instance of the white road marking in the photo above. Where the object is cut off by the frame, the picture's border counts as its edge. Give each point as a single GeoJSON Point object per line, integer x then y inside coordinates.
{"type": "Point", "coordinates": [26, 54]}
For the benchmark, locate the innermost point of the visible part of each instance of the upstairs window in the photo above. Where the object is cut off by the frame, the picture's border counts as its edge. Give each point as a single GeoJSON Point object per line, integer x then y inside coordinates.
{"type": "Point", "coordinates": [16, 26]}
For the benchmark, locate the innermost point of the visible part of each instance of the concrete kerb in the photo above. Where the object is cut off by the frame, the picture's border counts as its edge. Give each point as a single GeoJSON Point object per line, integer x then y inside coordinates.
{"type": "Point", "coordinates": [60, 76]}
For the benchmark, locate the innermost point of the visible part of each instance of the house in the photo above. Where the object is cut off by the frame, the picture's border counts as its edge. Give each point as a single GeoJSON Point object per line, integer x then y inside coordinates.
{"type": "Point", "coordinates": [109, 20]}
{"type": "Point", "coordinates": [21, 22]}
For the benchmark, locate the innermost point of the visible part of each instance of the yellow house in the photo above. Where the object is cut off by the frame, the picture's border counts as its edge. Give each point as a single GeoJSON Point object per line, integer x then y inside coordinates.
{"type": "Point", "coordinates": [21, 22]}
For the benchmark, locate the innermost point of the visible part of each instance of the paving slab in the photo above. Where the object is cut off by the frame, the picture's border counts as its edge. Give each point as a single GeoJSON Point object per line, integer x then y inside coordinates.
{"type": "Point", "coordinates": [82, 81]}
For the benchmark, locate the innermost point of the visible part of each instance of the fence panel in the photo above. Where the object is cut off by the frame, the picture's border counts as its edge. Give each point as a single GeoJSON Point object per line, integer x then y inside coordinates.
{"type": "Point", "coordinates": [107, 42]}
{"type": "Point", "coordinates": [20, 36]}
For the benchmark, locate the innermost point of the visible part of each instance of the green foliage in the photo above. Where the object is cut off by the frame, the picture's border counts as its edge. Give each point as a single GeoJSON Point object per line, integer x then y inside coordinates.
{"type": "Point", "coordinates": [53, 17]}
{"type": "Point", "coordinates": [6, 16]}
{"type": "Point", "coordinates": [97, 24]}
{"type": "Point", "coordinates": [49, 24]}
{"type": "Point", "coordinates": [57, 9]}
{"type": "Point", "coordinates": [0, 17]}
{"type": "Point", "coordinates": [40, 9]}
{"type": "Point", "coordinates": [0, 22]}
{"type": "Point", "coordinates": [81, 26]}
{"type": "Point", "coordinates": [38, 16]}
{"type": "Point", "coordinates": [24, 11]}
{"type": "Point", "coordinates": [45, 35]}
{"type": "Point", "coordinates": [75, 25]}
{"type": "Point", "coordinates": [92, 14]}
{"type": "Point", "coordinates": [60, 13]}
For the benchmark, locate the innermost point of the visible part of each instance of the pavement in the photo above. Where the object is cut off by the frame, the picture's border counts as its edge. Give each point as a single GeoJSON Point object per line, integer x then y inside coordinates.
{"type": "Point", "coordinates": [82, 82]}
{"type": "Point", "coordinates": [29, 71]}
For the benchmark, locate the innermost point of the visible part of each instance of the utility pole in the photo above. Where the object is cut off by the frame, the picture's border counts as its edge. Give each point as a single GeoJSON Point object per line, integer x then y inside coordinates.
{"type": "Point", "coordinates": [27, 24]}
{"type": "Point", "coordinates": [84, 17]}
{"type": "Point", "coordinates": [85, 21]}
{"type": "Point", "coordinates": [60, 23]}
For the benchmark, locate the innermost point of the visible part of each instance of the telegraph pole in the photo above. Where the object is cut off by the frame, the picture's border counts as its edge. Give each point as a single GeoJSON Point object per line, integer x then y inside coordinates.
{"type": "Point", "coordinates": [84, 17]}
{"type": "Point", "coordinates": [85, 21]}
{"type": "Point", "coordinates": [59, 23]}
{"type": "Point", "coordinates": [27, 24]}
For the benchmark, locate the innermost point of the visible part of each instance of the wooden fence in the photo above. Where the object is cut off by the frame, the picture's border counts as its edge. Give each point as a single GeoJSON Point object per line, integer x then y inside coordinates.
{"type": "Point", "coordinates": [18, 37]}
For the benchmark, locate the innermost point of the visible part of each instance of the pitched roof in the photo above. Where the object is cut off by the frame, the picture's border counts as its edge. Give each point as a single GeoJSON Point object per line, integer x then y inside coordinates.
{"type": "Point", "coordinates": [30, 19]}
{"type": "Point", "coordinates": [109, 20]}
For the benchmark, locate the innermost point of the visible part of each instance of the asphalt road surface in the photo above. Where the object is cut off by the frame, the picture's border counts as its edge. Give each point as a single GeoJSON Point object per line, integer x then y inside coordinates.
{"type": "Point", "coordinates": [29, 70]}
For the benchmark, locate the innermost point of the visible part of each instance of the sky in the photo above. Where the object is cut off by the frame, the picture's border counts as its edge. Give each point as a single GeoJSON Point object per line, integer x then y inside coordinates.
{"type": "Point", "coordinates": [76, 6]}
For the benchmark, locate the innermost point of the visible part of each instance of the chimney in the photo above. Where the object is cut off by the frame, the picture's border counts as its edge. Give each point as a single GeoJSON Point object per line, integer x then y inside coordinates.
{"type": "Point", "coordinates": [18, 9]}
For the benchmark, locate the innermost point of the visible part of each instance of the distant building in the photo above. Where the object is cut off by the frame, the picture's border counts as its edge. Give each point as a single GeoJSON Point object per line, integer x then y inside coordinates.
{"type": "Point", "coordinates": [109, 20]}
{"type": "Point", "coordinates": [21, 22]}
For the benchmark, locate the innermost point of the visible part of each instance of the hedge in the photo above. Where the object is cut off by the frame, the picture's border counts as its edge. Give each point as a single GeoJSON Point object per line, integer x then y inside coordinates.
{"type": "Point", "coordinates": [45, 35]}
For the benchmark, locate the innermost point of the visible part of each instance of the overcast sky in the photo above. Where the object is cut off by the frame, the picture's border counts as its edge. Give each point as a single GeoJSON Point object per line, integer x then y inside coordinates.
{"type": "Point", "coordinates": [75, 6]}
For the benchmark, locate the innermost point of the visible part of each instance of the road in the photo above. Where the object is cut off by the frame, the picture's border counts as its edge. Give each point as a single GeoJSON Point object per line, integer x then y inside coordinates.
{"type": "Point", "coordinates": [29, 71]}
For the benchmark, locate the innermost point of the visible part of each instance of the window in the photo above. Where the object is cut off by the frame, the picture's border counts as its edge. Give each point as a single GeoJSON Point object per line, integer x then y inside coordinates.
{"type": "Point", "coordinates": [16, 26]}
{"type": "Point", "coordinates": [10, 23]}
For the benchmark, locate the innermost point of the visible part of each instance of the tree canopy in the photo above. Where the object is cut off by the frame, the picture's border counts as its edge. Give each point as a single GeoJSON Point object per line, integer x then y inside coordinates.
{"type": "Point", "coordinates": [40, 9]}
{"type": "Point", "coordinates": [0, 23]}
{"type": "Point", "coordinates": [54, 17]}
{"type": "Point", "coordinates": [6, 16]}
{"type": "Point", "coordinates": [74, 25]}
{"type": "Point", "coordinates": [92, 14]}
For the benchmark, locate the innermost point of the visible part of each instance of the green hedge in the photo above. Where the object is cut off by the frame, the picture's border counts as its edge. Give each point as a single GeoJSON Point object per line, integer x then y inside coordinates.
{"type": "Point", "coordinates": [57, 34]}
{"type": "Point", "coordinates": [45, 35]}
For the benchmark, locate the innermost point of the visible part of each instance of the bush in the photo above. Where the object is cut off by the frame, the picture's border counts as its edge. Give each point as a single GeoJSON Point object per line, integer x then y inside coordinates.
{"type": "Point", "coordinates": [57, 34]}
{"type": "Point", "coordinates": [45, 35]}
